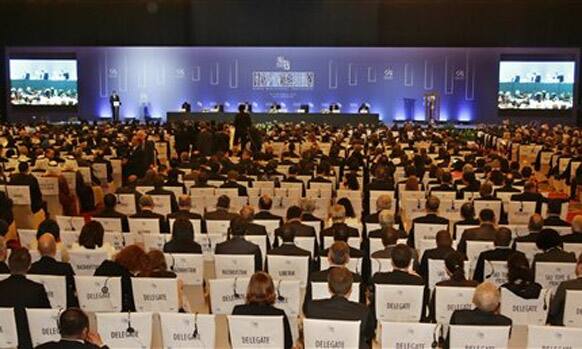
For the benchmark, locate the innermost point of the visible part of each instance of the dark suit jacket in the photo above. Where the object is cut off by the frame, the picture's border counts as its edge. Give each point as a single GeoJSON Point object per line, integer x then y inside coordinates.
{"type": "Point", "coordinates": [352, 232]}
{"type": "Point", "coordinates": [219, 215]}
{"type": "Point", "coordinates": [429, 218]}
{"type": "Point", "coordinates": [64, 344]}
{"type": "Point", "coordinates": [300, 229]}
{"type": "Point", "coordinates": [20, 293]}
{"type": "Point", "coordinates": [572, 238]}
{"type": "Point", "coordinates": [266, 310]}
{"type": "Point", "coordinates": [339, 308]}
{"type": "Point", "coordinates": [555, 221]}
{"type": "Point", "coordinates": [49, 266]}
{"type": "Point", "coordinates": [35, 193]}
{"type": "Point", "coordinates": [434, 253]}
{"type": "Point", "coordinates": [111, 213]}
{"type": "Point", "coordinates": [4, 268]}
{"type": "Point", "coordinates": [531, 237]}
{"type": "Point", "coordinates": [180, 246]}
{"type": "Point", "coordinates": [485, 232]}
{"type": "Point", "coordinates": [242, 190]}
{"type": "Point", "coordinates": [289, 249]}
{"type": "Point", "coordinates": [188, 215]}
{"type": "Point", "coordinates": [238, 245]}
{"type": "Point", "coordinates": [526, 290]}
{"type": "Point", "coordinates": [536, 197]}
{"type": "Point", "coordinates": [496, 254]}
{"type": "Point", "coordinates": [478, 318]}
{"type": "Point", "coordinates": [554, 255]}
{"type": "Point", "coordinates": [113, 269]}
{"type": "Point", "coordinates": [308, 217]}
{"type": "Point", "coordinates": [266, 215]}
{"type": "Point", "coordinates": [556, 315]}
{"type": "Point", "coordinates": [150, 214]}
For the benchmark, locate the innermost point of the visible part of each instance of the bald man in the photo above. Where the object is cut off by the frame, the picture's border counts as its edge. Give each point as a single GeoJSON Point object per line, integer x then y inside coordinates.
{"type": "Point", "coordinates": [48, 265]}
{"type": "Point", "coordinates": [486, 300]}
{"type": "Point", "coordinates": [576, 235]}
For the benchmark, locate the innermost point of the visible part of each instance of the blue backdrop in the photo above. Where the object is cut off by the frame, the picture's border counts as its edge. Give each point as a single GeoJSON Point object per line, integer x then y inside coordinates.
{"type": "Point", "coordinates": [161, 78]}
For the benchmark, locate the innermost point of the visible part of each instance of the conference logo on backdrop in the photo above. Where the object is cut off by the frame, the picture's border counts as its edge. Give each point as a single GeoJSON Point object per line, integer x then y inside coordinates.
{"type": "Point", "coordinates": [283, 80]}
{"type": "Point", "coordinates": [283, 63]}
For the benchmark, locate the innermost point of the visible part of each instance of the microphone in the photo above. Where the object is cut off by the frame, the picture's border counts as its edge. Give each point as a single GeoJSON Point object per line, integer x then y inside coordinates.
{"type": "Point", "coordinates": [196, 334]}
{"type": "Point", "coordinates": [280, 297]}
{"type": "Point", "coordinates": [521, 206]}
{"type": "Point", "coordinates": [105, 287]}
{"type": "Point", "coordinates": [418, 204]}
{"type": "Point", "coordinates": [130, 330]}
{"type": "Point", "coordinates": [234, 291]}
{"type": "Point", "coordinates": [435, 341]}
{"type": "Point", "coordinates": [173, 262]}
{"type": "Point", "coordinates": [492, 269]}
{"type": "Point", "coordinates": [546, 294]}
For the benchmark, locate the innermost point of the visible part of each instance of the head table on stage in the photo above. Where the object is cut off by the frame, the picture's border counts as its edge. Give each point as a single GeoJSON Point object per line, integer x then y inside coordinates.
{"type": "Point", "coordinates": [334, 119]}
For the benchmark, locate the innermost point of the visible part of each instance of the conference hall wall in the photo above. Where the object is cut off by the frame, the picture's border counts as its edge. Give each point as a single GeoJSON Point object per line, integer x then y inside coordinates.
{"type": "Point", "coordinates": [154, 80]}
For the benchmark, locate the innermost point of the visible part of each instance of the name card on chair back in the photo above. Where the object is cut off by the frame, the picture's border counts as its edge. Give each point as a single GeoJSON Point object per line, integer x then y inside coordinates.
{"type": "Point", "coordinates": [155, 294]}
{"type": "Point", "coordinates": [289, 268]}
{"type": "Point", "coordinates": [109, 224]}
{"type": "Point", "coordinates": [20, 194]}
{"type": "Point", "coordinates": [226, 293]}
{"type": "Point", "coordinates": [495, 272]}
{"type": "Point", "coordinates": [43, 325]}
{"type": "Point", "coordinates": [525, 311]}
{"type": "Point", "coordinates": [144, 225]}
{"type": "Point", "coordinates": [573, 308]}
{"type": "Point", "coordinates": [399, 303]}
{"type": "Point", "coordinates": [408, 335]}
{"type": "Point", "coordinates": [126, 204]}
{"type": "Point", "coordinates": [448, 299]}
{"type": "Point", "coordinates": [554, 337]}
{"type": "Point", "coordinates": [189, 267]}
{"type": "Point", "coordinates": [490, 337]}
{"type": "Point", "coordinates": [125, 330]}
{"type": "Point", "coordinates": [234, 265]}
{"type": "Point", "coordinates": [162, 204]}
{"type": "Point", "coordinates": [250, 332]}
{"type": "Point", "coordinates": [8, 335]}
{"type": "Point", "coordinates": [85, 262]}
{"type": "Point", "coordinates": [331, 333]}
{"type": "Point", "coordinates": [551, 274]}
{"type": "Point", "coordinates": [55, 287]}
{"type": "Point", "coordinates": [320, 290]}
{"type": "Point", "coordinates": [195, 331]}
{"type": "Point", "coordinates": [99, 293]}
{"type": "Point", "coordinates": [437, 271]}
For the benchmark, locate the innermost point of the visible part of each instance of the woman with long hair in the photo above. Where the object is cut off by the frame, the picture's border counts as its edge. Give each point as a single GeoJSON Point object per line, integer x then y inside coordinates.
{"type": "Point", "coordinates": [520, 278]}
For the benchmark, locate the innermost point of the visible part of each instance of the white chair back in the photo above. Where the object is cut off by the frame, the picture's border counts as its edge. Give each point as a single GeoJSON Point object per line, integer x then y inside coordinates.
{"type": "Point", "coordinates": [85, 262]}
{"type": "Point", "coordinates": [26, 236]}
{"type": "Point", "coordinates": [9, 335]}
{"type": "Point", "coordinates": [233, 265]}
{"type": "Point", "coordinates": [189, 267]}
{"type": "Point", "coordinates": [217, 226]}
{"type": "Point", "coordinates": [43, 325]}
{"type": "Point", "coordinates": [289, 297]}
{"type": "Point", "coordinates": [306, 242]}
{"type": "Point", "coordinates": [573, 308]}
{"type": "Point", "coordinates": [49, 186]}
{"type": "Point", "coordinates": [381, 265]}
{"type": "Point", "coordinates": [289, 268]}
{"type": "Point", "coordinates": [208, 243]}
{"type": "Point", "coordinates": [320, 290]}
{"type": "Point", "coordinates": [495, 272]}
{"type": "Point", "coordinates": [162, 204]}
{"type": "Point", "coordinates": [528, 248]}
{"type": "Point", "coordinates": [112, 327]}
{"type": "Point", "coordinates": [248, 332]}
{"type": "Point", "coordinates": [178, 330]}
{"type": "Point", "coordinates": [540, 337]}
{"type": "Point", "coordinates": [494, 205]}
{"type": "Point", "coordinates": [225, 294]}
{"type": "Point", "coordinates": [110, 225]}
{"type": "Point", "coordinates": [523, 311]}
{"type": "Point", "coordinates": [70, 223]}
{"type": "Point", "coordinates": [155, 294]}
{"type": "Point", "coordinates": [126, 204]}
{"type": "Point", "coordinates": [142, 226]}
{"type": "Point", "coordinates": [449, 299]}
{"type": "Point", "coordinates": [99, 293]}
{"type": "Point", "coordinates": [438, 272]}
{"type": "Point", "coordinates": [408, 335]}
{"type": "Point", "coordinates": [55, 287]}
{"type": "Point", "coordinates": [20, 194]}
{"type": "Point", "coordinates": [519, 212]}
{"type": "Point", "coordinates": [399, 303]}
{"type": "Point", "coordinates": [425, 231]}
{"type": "Point", "coordinates": [474, 249]}
{"type": "Point", "coordinates": [344, 334]}
{"type": "Point", "coordinates": [551, 274]}
{"type": "Point", "coordinates": [479, 336]}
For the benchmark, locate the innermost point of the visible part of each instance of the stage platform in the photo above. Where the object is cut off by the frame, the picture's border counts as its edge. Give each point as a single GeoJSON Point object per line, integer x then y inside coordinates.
{"type": "Point", "coordinates": [340, 119]}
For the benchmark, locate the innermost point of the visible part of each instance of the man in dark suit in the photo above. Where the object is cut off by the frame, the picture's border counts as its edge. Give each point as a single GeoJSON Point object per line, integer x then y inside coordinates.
{"type": "Point", "coordinates": [486, 192]}
{"type": "Point", "coordinates": [20, 293]}
{"type": "Point", "coordinates": [146, 206]}
{"type": "Point", "coordinates": [231, 182]}
{"type": "Point", "coordinates": [204, 140]}
{"type": "Point", "coordinates": [75, 334]}
{"type": "Point", "coordinates": [343, 234]}
{"type": "Point", "coordinates": [129, 188]}
{"type": "Point", "coordinates": [115, 103]}
{"type": "Point", "coordinates": [383, 202]}
{"type": "Point", "coordinates": [265, 205]}
{"type": "Point", "coordinates": [238, 245]}
{"type": "Point", "coordinates": [507, 185]}
{"type": "Point", "coordinates": [556, 314]}
{"type": "Point", "coordinates": [247, 213]}
{"type": "Point", "coordinates": [48, 265]}
{"type": "Point", "coordinates": [446, 184]}
{"type": "Point", "coordinates": [136, 161]}
{"type": "Point", "coordinates": [23, 177]}
{"type": "Point", "coordinates": [338, 307]}
{"type": "Point", "coordinates": [534, 226]}
{"type": "Point", "coordinates": [3, 254]}
{"type": "Point", "coordinates": [293, 217]}
{"type": "Point", "coordinates": [338, 217]}
{"type": "Point", "coordinates": [485, 232]}
{"type": "Point", "coordinates": [184, 206]}
{"type": "Point", "coordinates": [431, 217]}
{"type": "Point", "coordinates": [444, 248]}
{"type": "Point", "coordinates": [108, 211]}
{"type": "Point", "coordinates": [221, 213]}
{"type": "Point", "coordinates": [553, 219]}
{"type": "Point", "coordinates": [501, 252]}
{"type": "Point", "coordinates": [550, 242]}
{"type": "Point", "coordinates": [308, 207]}
{"type": "Point", "coordinates": [381, 181]}
{"type": "Point", "coordinates": [530, 193]}
{"type": "Point", "coordinates": [242, 126]}
{"type": "Point", "coordinates": [288, 247]}
{"type": "Point", "coordinates": [159, 190]}
{"type": "Point", "coordinates": [471, 185]}
{"type": "Point", "coordinates": [486, 300]}
{"type": "Point", "coordinates": [576, 235]}
{"type": "Point", "coordinates": [389, 240]}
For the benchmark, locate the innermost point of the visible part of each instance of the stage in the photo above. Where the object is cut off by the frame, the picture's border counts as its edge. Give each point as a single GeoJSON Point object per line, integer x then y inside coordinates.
{"type": "Point", "coordinates": [339, 119]}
